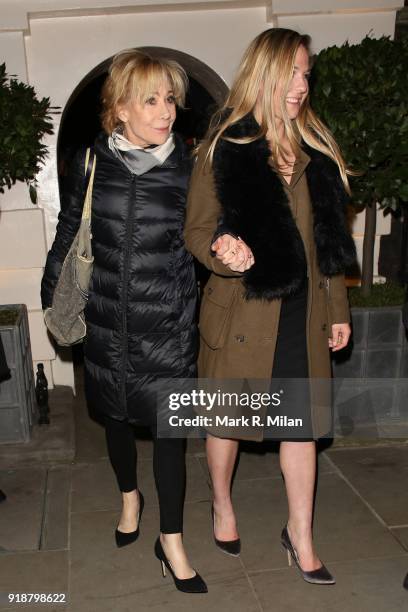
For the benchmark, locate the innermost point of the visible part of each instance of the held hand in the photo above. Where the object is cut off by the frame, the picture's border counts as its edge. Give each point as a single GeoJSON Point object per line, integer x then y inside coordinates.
{"type": "Point", "coordinates": [340, 336]}
{"type": "Point", "coordinates": [233, 253]}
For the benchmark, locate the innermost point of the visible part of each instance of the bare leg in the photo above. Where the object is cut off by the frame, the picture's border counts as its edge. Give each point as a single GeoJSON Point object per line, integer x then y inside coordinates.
{"type": "Point", "coordinates": [221, 457]}
{"type": "Point", "coordinates": [129, 518]}
{"type": "Point", "coordinates": [173, 547]}
{"type": "Point", "coordinates": [298, 465]}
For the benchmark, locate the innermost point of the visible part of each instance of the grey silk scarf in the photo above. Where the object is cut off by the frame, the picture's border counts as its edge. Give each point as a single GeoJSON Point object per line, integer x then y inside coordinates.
{"type": "Point", "coordinates": [139, 160]}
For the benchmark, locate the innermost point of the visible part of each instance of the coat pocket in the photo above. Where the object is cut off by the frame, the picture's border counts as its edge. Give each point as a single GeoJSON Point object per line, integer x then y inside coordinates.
{"type": "Point", "coordinates": [216, 310]}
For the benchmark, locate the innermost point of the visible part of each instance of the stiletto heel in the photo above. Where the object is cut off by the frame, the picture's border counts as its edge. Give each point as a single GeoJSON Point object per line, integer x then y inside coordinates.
{"type": "Point", "coordinates": [122, 538]}
{"type": "Point", "coordinates": [318, 576]}
{"type": "Point", "coordinates": [187, 585]}
{"type": "Point", "coordinates": [163, 569]}
{"type": "Point", "coordinates": [289, 559]}
{"type": "Point", "coordinates": [231, 547]}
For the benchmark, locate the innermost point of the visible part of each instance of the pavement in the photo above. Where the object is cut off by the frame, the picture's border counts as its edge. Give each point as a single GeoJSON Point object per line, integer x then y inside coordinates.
{"type": "Point", "coordinates": [57, 527]}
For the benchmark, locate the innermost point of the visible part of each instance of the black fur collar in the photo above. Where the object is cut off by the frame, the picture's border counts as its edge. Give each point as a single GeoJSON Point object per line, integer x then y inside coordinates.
{"type": "Point", "coordinates": [255, 207]}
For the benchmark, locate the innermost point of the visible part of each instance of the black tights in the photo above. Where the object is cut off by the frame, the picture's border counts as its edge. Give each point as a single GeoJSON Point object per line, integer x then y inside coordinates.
{"type": "Point", "coordinates": [169, 469]}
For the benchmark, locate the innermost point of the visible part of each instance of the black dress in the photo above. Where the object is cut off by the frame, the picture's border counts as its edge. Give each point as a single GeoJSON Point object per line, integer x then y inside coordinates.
{"type": "Point", "coordinates": [291, 358]}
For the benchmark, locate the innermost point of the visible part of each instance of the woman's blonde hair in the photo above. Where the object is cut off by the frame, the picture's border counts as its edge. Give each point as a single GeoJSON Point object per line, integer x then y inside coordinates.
{"type": "Point", "coordinates": [136, 75]}
{"type": "Point", "coordinates": [268, 61]}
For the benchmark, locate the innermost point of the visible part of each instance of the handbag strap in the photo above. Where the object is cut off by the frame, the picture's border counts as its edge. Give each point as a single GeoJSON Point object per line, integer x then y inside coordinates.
{"type": "Point", "coordinates": [90, 165]}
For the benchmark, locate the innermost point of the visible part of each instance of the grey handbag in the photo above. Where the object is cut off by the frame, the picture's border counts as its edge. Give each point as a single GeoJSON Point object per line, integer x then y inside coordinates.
{"type": "Point", "coordinates": [65, 318]}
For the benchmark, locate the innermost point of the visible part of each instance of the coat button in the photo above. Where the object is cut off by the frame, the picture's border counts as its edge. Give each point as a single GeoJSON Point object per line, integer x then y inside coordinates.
{"type": "Point", "coordinates": [321, 285]}
{"type": "Point", "coordinates": [324, 327]}
{"type": "Point", "coordinates": [209, 290]}
{"type": "Point", "coordinates": [240, 338]}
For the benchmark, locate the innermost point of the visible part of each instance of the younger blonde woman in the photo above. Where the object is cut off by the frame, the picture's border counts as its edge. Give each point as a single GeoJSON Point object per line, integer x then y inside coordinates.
{"type": "Point", "coordinates": [271, 185]}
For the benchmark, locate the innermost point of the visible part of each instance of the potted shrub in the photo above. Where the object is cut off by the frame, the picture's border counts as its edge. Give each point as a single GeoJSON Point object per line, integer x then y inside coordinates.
{"type": "Point", "coordinates": [24, 121]}
{"type": "Point", "coordinates": [361, 92]}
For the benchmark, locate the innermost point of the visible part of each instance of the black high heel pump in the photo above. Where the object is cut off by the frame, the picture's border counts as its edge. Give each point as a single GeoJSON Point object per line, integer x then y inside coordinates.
{"type": "Point", "coordinates": [187, 585]}
{"type": "Point", "coordinates": [318, 576]}
{"type": "Point", "coordinates": [231, 547]}
{"type": "Point", "coordinates": [122, 538]}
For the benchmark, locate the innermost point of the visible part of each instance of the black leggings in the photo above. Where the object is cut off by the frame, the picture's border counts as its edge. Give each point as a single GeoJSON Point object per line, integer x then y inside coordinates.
{"type": "Point", "coordinates": [169, 469]}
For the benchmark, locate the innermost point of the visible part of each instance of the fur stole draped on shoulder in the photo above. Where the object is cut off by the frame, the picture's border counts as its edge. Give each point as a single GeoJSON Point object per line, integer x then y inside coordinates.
{"type": "Point", "coordinates": [255, 206]}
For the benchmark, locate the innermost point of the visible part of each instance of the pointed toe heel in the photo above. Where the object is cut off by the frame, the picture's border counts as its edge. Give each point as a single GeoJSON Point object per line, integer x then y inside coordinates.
{"type": "Point", "coordinates": [123, 539]}
{"type": "Point", "coordinates": [318, 576]}
{"type": "Point", "coordinates": [187, 585]}
{"type": "Point", "coordinates": [230, 547]}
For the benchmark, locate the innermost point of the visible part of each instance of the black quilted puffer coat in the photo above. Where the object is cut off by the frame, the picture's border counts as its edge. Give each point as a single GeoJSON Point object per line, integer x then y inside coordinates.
{"type": "Point", "coordinates": [141, 310]}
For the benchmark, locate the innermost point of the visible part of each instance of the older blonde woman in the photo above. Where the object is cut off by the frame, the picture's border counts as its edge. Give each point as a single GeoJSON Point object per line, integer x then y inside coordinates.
{"type": "Point", "coordinates": [271, 183]}
{"type": "Point", "coordinates": [140, 313]}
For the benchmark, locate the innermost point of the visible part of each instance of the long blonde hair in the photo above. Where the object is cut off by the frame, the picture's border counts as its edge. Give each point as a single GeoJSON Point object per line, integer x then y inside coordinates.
{"type": "Point", "coordinates": [268, 61]}
{"type": "Point", "coordinates": [134, 74]}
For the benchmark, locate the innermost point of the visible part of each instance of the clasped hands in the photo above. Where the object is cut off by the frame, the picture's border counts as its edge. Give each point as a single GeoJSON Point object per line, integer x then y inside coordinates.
{"type": "Point", "coordinates": [233, 253]}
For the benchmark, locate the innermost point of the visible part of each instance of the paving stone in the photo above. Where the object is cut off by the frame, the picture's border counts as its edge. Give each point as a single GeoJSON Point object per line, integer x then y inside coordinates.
{"type": "Point", "coordinates": [50, 607]}
{"type": "Point", "coordinates": [380, 476]}
{"type": "Point", "coordinates": [90, 443]}
{"type": "Point", "coordinates": [401, 533]}
{"type": "Point", "coordinates": [21, 514]}
{"type": "Point", "coordinates": [94, 487]}
{"type": "Point", "coordinates": [56, 519]}
{"type": "Point", "coordinates": [196, 446]}
{"type": "Point", "coordinates": [34, 572]}
{"type": "Point", "coordinates": [229, 592]}
{"type": "Point", "coordinates": [36, 608]}
{"type": "Point", "coordinates": [369, 585]}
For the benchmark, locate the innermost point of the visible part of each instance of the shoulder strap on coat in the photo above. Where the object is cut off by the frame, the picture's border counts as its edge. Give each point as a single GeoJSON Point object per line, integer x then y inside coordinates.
{"type": "Point", "coordinates": [89, 162]}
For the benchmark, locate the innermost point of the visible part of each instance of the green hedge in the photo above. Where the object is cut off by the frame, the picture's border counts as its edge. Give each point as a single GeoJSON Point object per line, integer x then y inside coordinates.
{"type": "Point", "coordinates": [382, 294]}
{"type": "Point", "coordinates": [361, 92]}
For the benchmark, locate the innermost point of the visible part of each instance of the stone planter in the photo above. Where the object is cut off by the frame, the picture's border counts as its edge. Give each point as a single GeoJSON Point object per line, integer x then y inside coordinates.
{"type": "Point", "coordinates": [372, 373]}
{"type": "Point", "coordinates": [17, 395]}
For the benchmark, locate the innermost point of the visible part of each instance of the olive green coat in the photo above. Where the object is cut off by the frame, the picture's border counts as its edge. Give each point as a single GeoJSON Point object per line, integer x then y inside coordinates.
{"type": "Point", "coordinates": [238, 336]}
